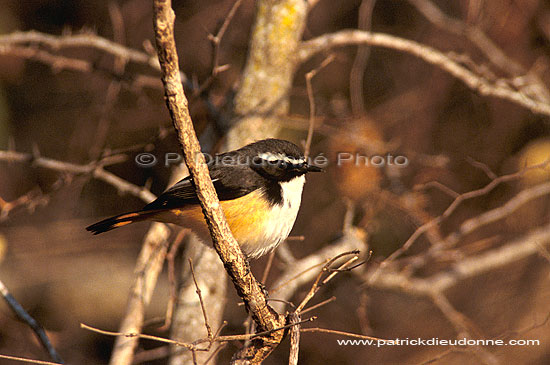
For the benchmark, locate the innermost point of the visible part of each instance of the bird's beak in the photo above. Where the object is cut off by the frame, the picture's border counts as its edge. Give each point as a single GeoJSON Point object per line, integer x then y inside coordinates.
{"type": "Point", "coordinates": [313, 168]}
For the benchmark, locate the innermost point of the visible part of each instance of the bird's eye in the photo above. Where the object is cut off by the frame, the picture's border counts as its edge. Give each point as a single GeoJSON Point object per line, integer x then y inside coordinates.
{"type": "Point", "coordinates": [283, 165]}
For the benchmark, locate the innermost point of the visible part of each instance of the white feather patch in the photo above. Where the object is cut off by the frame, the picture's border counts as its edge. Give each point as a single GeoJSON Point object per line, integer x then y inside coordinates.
{"type": "Point", "coordinates": [281, 220]}
{"type": "Point", "coordinates": [268, 156]}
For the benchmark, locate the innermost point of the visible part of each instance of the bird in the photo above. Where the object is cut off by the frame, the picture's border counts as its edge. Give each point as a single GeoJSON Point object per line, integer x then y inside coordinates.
{"type": "Point", "coordinates": [260, 190]}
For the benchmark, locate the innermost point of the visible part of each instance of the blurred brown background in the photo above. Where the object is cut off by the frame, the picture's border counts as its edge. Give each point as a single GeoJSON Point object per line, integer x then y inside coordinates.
{"type": "Point", "coordinates": [63, 276]}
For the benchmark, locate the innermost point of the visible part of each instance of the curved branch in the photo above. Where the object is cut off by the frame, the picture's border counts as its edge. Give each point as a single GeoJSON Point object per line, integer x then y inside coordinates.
{"type": "Point", "coordinates": [479, 83]}
{"type": "Point", "coordinates": [79, 40]}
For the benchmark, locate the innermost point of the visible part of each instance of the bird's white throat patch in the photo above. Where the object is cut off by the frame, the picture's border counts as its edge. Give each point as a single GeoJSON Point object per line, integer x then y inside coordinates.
{"type": "Point", "coordinates": [292, 191]}
{"type": "Point", "coordinates": [281, 219]}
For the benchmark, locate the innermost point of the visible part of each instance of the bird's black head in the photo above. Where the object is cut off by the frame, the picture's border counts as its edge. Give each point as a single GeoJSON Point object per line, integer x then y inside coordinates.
{"type": "Point", "coordinates": [277, 159]}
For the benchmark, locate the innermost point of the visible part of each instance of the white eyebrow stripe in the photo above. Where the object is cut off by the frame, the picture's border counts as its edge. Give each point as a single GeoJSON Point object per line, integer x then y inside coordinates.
{"type": "Point", "coordinates": [268, 156]}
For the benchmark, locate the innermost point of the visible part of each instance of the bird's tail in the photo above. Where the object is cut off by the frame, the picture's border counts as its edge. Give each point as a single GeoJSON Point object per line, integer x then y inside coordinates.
{"type": "Point", "coordinates": [119, 221]}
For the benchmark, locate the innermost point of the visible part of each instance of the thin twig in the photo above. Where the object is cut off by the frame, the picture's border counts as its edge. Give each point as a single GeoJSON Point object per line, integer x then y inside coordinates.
{"type": "Point", "coordinates": [214, 353]}
{"type": "Point", "coordinates": [357, 71]}
{"type": "Point", "coordinates": [199, 294]}
{"type": "Point", "coordinates": [318, 305]}
{"type": "Point", "coordinates": [484, 44]}
{"type": "Point", "coordinates": [462, 325]}
{"type": "Point", "coordinates": [466, 268]}
{"type": "Point", "coordinates": [170, 259]}
{"type": "Point", "coordinates": [138, 335]}
{"type": "Point", "coordinates": [56, 62]}
{"type": "Point", "coordinates": [295, 277]}
{"type": "Point", "coordinates": [193, 346]}
{"type": "Point", "coordinates": [289, 282]}
{"type": "Point", "coordinates": [24, 316]}
{"type": "Point", "coordinates": [267, 268]}
{"type": "Point", "coordinates": [480, 165]}
{"type": "Point", "coordinates": [436, 184]}
{"type": "Point", "coordinates": [454, 205]}
{"type": "Point", "coordinates": [309, 76]}
{"type": "Point", "coordinates": [326, 268]}
{"type": "Point", "coordinates": [26, 360]}
{"type": "Point", "coordinates": [113, 90]}
{"type": "Point", "coordinates": [341, 333]}
{"type": "Point", "coordinates": [216, 41]}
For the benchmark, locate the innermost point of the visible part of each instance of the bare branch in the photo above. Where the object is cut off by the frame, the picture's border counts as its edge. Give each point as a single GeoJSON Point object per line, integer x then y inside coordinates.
{"type": "Point", "coordinates": [466, 268]}
{"type": "Point", "coordinates": [289, 281]}
{"type": "Point", "coordinates": [216, 41]}
{"type": "Point", "coordinates": [341, 333]}
{"type": "Point", "coordinates": [294, 339]}
{"type": "Point", "coordinates": [430, 55]}
{"type": "Point", "coordinates": [57, 63]}
{"type": "Point", "coordinates": [170, 259]}
{"type": "Point", "coordinates": [318, 305]}
{"type": "Point", "coordinates": [436, 184]}
{"type": "Point", "coordinates": [462, 326]}
{"type": "Point", "coordinates": [148, 267]}
{"type": "Point", "coordinates": [188, 315]}
{"type": "Point", "coordinates": [95, 169]}
{"type": "Point", "coordinates": [199, 294]}
{"type": "Point", "coordinates": [357, 71]}
{"type": "Point", "coordinates": [485, 45]}
{"type": "Point", "coordinates": [326, 268]}
{"type": "Point", "coordinates": [25, 360]}
{"type": "Point", "coordinates": [78, 41]}
{"type": "Point", "coordinates": [224, 243]}
{"type": "Point", "coordinates": [467, 227]}
{"type": "Point", "coordinates": [501, 212]}
{"type": "Point", "coordinates": [138, 335]}
{"type": "Point", "coordinates": [480, 165]}
{"type": "Point", "coordinates": [454, 205]}
{"type": "Point", "coordinates": [309, 76]}
{"type": "Point", "coordinates": [24, 316]}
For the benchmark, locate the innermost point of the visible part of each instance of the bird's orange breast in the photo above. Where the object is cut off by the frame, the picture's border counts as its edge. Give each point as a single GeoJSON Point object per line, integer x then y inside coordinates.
{"type": "Point", "coordinates": [245, 216]}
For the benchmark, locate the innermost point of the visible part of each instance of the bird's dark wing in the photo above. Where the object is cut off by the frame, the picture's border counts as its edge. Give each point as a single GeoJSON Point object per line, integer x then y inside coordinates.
{"type": "Point", "coordinates": [236, 182]}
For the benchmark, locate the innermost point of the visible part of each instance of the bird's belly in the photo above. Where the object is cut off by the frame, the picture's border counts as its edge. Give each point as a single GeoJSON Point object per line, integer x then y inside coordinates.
{"type": "Point", "coordinates": [257, 225]}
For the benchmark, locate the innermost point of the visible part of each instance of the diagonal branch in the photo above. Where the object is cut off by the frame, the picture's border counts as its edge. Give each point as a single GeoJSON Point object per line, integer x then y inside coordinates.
{"type": "Point", "coordinates": [24, 316]}
{"type": "Point", "coordinates": [499, 88]}
{"type": "Point", "coordinates": [227, 248]}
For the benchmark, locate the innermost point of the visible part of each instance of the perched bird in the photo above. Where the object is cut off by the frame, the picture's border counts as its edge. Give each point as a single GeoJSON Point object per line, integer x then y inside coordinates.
{"type": "Point", "coordinates": [260, 190]}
